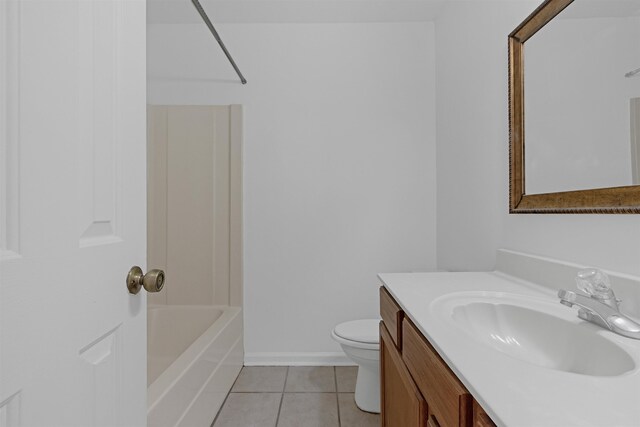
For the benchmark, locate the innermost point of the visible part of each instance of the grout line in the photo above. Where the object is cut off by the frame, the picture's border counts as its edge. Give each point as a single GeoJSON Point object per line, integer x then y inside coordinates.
{"type": "Point", "coordinates": [286, 377]}
{"type": "Point", "coordinates": [283, 392]}
{"type": "Point", "coordinates": [335, 379]}
{"type": "Point", "coordinates": [287, 392]}
{"type": "Point", "coordinates": [236, 380]}
{"type": "Point", "coordinates": [226, 397]}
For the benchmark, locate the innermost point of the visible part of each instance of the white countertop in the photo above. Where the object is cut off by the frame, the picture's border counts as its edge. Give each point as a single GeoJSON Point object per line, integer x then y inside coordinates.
{"type": "Point", "coordinates": [513, 392]}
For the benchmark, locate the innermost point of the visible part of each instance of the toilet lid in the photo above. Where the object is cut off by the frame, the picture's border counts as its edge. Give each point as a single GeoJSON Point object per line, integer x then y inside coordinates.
{"type": "Point", "coordinates": [366, 331]}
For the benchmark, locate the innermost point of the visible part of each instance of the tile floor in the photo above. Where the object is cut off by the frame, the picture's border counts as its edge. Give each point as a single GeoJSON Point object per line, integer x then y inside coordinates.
{"type": "Point", "coordinates": [294, 396]}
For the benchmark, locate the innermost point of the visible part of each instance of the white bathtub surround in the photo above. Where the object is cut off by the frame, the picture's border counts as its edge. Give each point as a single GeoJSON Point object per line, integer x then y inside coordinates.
{"type": "Point", "coordinates": [514, 391]}
{"type": "Point", "coordinates": [171, 330]}
{"type": "Point", "coordinates": [195, 203]}
{"type": "Point", "coordinates": [195, 325]}
{"type": "Point", "coordinates": [191, 390]}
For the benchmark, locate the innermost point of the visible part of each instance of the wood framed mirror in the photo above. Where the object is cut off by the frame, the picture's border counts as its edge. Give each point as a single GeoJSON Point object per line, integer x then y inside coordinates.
{"type": "Point", "coordinates": [624, 195]}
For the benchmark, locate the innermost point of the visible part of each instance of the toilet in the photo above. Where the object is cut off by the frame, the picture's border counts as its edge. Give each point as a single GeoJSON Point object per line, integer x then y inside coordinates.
{"type": "Point", "coordinates": [360, 340]}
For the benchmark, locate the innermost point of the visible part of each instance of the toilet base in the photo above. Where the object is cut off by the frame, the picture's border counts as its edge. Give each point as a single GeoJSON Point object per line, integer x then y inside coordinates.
{"type": "Point", "coordinates": [367, 394]}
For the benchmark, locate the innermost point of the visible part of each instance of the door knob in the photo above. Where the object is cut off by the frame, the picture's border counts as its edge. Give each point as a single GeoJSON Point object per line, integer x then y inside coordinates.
{"type": "Point", "coordinates": [153, 281]}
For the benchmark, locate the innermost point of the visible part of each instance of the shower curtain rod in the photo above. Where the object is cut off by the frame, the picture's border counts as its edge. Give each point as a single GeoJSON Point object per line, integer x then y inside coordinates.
{"type": "Point", "coordinates": [206, 20]}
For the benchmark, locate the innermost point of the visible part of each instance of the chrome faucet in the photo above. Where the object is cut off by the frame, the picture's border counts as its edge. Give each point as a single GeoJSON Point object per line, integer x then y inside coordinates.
{"type": "Point", "coordinates": [599, 304]}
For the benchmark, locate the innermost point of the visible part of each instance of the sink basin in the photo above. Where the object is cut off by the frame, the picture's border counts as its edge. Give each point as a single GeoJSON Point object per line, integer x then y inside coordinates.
{"type": "Point", "coordinates": [535, 331]}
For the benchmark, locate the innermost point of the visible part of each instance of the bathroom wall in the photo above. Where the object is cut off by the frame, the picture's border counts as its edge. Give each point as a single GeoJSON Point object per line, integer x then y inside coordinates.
{"type": "Point", "coordinates": [339, 171]}
{"type": "Point", "coordinates": [472, 156]}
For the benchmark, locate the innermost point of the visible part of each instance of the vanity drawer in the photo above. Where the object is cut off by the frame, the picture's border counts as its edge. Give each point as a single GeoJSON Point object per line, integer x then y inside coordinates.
{"type": "Point", "coordinates": [392, 316]}
{"type": "Point", "coordinates": [450, 404]}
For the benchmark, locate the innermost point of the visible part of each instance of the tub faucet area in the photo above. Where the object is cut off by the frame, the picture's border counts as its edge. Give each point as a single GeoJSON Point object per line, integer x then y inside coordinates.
{"type": "Point", "coordinates": [599, 304]}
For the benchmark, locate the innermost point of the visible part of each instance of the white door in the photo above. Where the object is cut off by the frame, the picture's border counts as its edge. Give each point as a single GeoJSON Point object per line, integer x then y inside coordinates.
{"type": "Point", "coordinates": [72, 212]}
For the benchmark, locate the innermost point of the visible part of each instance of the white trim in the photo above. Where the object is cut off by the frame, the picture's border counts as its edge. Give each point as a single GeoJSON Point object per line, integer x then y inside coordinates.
{"type": "Point", "coordinates": [297, 359]}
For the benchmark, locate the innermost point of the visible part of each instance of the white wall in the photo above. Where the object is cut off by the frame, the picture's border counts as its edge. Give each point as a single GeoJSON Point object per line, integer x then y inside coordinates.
{"type": "Point", "coordinates": [339, 172]}
{"type": "Point", "coordinates": [472, 156]}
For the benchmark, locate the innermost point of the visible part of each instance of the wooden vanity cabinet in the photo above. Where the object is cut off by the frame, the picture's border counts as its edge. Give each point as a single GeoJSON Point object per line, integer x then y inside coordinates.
{"type": "Point", "coordinates": [402, 404]}
{"type": "Point", "coordinates": [417, 386]}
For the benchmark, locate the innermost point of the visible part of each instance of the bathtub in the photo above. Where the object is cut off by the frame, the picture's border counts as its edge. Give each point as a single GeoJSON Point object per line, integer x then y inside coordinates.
{"type": "Point", "coordinates": [194, 355]}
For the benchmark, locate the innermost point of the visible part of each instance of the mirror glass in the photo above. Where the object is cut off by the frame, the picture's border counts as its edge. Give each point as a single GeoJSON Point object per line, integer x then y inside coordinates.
{"type": "Point", "coordinates": [582, 99]}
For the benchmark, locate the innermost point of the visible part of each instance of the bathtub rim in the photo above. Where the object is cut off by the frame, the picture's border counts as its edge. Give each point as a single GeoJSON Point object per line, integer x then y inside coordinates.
{"type": "Point", "coordinates": [167, 379]}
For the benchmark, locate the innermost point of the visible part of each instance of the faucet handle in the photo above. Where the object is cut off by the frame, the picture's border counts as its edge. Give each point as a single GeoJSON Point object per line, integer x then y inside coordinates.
{"type": "Point", "coordinates": [593, 281]}
{"type": "Point", "coordinates": [596, 284]}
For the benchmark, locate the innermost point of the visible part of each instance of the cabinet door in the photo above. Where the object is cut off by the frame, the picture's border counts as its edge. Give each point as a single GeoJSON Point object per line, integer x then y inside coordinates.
{"type": "Point", "coordinates": [402, 403]}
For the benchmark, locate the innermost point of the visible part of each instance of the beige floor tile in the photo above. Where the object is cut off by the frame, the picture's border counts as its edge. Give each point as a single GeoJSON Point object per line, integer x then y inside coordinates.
{"type": "Point", "coordinates": [249, 410]}
{"type": "Point", "coordinates": [346, 376]}
{"type": "Point", "coordinates": [261, 379]}
{"type": "Point", "coordinates": [309, 410]}
{"type": "Point", "coordinates": [351, 416]}
{"type": "Point", "coordinates": [310, 379]}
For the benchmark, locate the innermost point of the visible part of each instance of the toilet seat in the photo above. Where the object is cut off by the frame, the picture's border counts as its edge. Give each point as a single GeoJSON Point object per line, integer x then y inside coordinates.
{"type": "Point", "coordinates": [362, 334]}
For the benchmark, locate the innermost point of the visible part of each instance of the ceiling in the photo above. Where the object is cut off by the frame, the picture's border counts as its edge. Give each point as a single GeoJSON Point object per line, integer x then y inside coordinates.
{"type": "Point", "coordinates": [250, 11]}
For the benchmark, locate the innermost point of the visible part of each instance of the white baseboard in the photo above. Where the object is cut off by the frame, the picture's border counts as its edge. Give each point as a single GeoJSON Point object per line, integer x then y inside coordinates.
{"type": "Point", "coordinates": [297, 359]}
